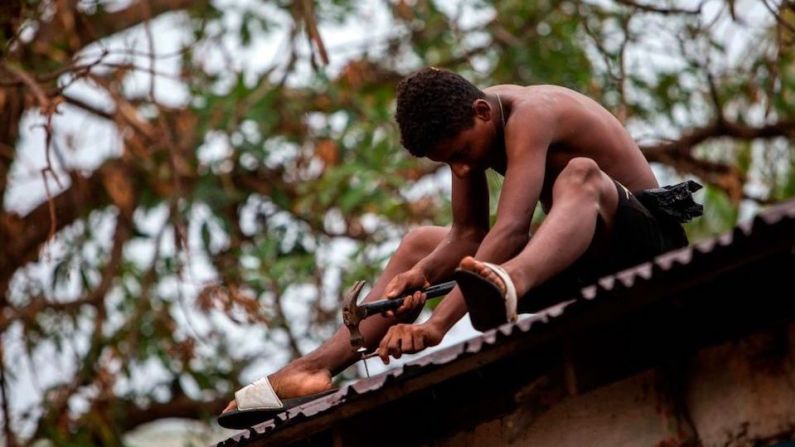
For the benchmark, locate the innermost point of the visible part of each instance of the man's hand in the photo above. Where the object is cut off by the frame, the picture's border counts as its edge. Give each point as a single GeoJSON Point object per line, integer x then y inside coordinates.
{"type": "Point", "coordinates": [408, 281]}
{"type": "Point", "coordinates": [408, 339]}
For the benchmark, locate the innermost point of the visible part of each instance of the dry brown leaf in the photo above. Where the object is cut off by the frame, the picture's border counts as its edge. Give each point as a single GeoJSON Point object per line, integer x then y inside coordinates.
{"type": "Point", "coordinates": [119, 187]}
{"type": "Point", "coordinates": [328, 151]}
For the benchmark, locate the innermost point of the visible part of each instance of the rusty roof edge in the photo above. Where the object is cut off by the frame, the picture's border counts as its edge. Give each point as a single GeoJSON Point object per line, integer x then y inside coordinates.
{"type": "Point", "coordinates": [684, 256]}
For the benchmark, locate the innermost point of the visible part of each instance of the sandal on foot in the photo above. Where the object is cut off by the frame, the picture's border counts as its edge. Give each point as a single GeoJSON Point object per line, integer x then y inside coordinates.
{"type": "Point", "coordinates": [487, 306]}
{"type": "Point", "coordinates": [257, 402]}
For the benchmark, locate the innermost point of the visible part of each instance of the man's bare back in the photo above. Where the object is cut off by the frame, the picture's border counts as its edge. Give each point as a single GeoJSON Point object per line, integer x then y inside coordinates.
{"type": "Point", "coordinates": [583, 128]}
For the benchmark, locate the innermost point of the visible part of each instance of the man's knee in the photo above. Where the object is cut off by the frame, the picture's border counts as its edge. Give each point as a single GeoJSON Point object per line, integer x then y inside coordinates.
{"type": "Point", "coordinates": [580, 170]}
{"type": "Point", "coordinates": [419, 241]}
{"type": "Point", "coordinates": [580, 175]}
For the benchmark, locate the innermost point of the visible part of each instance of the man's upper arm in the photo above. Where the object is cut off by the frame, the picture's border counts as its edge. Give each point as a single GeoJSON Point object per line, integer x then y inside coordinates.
{"type": "Point", "coordinates": [470, 203]}
{"type": "Point", "coordinates": [526, 148]}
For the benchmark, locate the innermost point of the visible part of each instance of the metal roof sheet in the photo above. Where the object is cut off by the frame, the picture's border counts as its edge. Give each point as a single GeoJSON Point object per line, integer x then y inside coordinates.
{"type": "Point", "coordinates": [770, 231]}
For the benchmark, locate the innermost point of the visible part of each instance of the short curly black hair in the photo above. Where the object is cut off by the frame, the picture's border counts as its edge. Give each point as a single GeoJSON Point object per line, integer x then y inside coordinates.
{"type": "Point", "coordinates": [432, 105]}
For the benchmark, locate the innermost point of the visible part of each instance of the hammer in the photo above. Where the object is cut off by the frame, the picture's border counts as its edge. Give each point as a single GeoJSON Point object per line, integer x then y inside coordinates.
{"type": "Point", "coordinates": [353, 314]}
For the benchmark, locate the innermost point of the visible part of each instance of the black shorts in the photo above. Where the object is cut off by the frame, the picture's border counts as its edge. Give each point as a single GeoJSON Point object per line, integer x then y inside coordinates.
{"type": "Point", "coordinates": [642, 229]}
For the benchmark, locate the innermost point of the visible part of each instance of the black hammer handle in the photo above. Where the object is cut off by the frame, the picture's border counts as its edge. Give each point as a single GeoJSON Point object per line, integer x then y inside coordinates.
{"type": "Point", "coordinates": [376, 307]}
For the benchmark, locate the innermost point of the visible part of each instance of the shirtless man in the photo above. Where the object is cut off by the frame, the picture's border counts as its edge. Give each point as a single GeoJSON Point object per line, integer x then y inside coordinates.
{"type": "Point", "coordinates": [553, 146]}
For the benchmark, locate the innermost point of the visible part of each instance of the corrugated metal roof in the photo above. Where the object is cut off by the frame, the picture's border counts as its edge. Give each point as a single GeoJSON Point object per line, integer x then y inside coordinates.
{"type": "Point", "coordinates": [771, 231]}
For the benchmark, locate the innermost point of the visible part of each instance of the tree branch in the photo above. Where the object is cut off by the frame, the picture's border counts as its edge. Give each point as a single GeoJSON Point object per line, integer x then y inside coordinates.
{"type": "Point", "coordinates": [79, 103]}
{"type": "Point", "coordinates": [661, 10]}
{"type": "Point", "coordinates": [778, 15]}
{"type": "Point", "coordinates": [306, 9]}
{"type": "Point", "coordinates": [178, 407]}
{"type": "Point", "coordinates": [102, 24]}
{"type": "Point", "coordinates": [729, 178]}
{"type": "Point", "coordinates": [717, 130]}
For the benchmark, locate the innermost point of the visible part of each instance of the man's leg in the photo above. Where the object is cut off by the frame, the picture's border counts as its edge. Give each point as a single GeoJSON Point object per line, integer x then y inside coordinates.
{"type": "Point", "coordinates": [312, 373]}
{"type": "Point", "coordinates": [581, 195]}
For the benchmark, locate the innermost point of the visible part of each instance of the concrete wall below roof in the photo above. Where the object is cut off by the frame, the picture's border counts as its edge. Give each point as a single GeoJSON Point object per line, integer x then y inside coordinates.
{"type": "Point", "coordinates": [740, 393]}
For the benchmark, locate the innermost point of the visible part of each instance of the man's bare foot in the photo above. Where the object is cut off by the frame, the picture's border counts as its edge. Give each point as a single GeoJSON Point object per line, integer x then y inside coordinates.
{"type": "Point", "coordinates": [293, 381]}
{"type": "Point", "coordinates": [473, 265]}
{"type": "Point", "coordinates": [297, 382]}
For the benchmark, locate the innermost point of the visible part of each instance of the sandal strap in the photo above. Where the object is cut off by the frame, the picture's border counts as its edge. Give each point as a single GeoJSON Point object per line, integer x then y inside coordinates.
{"type": "Point", "coordinates": [510, 290]}
{"type": "Point", "coordinates": [257, 395]}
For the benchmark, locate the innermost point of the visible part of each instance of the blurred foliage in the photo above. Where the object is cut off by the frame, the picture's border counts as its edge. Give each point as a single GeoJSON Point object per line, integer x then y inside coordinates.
{"type": "Point", "coordinates": [250, 186]}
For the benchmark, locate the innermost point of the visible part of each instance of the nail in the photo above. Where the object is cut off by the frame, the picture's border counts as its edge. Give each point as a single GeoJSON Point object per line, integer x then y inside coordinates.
{"type": "Point", "coordinates": [366, 371]}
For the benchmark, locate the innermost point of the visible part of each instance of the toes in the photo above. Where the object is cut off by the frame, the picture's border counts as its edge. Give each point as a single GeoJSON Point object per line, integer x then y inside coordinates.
{"type": "Point", "coordinates": [475, 266]}
{"type": "Point", "coordinates": [484, 271]}
{"type": "Point", "coordinates": [491, 276]}
{"type": "Point", "coordinates": [469, 263]}
{"type": "Point", "coordinates": [496, 280]}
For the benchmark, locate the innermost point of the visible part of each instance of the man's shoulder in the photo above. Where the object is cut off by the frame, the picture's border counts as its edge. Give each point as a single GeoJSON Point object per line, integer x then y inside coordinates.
{"type": "Point", "coordinates": [534, 106]}
{"type": "Point", "coordinates": [545, 97]}
{"type": "Point", "coordinates": [551, 105]}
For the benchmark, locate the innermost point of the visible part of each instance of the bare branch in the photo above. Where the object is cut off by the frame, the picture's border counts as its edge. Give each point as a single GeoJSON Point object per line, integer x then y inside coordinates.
{"type": "Point", "coordinates": [96, 26]}
{"type": "Point", "coordinates": [661, 10]}
{"type": "Point", "coordinates": [88, 107]}
{"type": "Point", "coordinates": [717, 130]}
{"type": "Point", "coordinates": [39, 304]}
{"type": "Point", "coordinates": [777, 14]}
{"type": "Point", "coordinates": [678, 153]}
{"type": "Point", "coordinates": [151, 43]}
{"type": "Point", "coordinates": [177, 407]}
{"type": "Point", "coordinates": [308, 13]}
{"type": "Point", "coordinates": [713, 93]}
{"type": "Point", "coordinates": [79, 68]}
{"type": "Point", "coordinates": [28, 80]}
{"type": "Point", "coordinates": [622, 69]}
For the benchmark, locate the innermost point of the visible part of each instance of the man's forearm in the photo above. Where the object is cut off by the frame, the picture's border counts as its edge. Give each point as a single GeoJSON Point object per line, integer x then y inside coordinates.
{"type": "Point", "coordinates": [497, 247]}
{"type": "Point", "coordinates": [502, 244]}
{"type": "Point", "coordinates": [442, 261]}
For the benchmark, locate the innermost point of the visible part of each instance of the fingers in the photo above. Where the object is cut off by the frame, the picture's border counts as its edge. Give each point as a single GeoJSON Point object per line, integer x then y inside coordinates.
{"type": "Point", "coordinates": [391, 344]}
{"type": "Point", "coordinates": [392, 288]}
{"type": "Point", "coordinates": [383, 348]}
{"type": "Point", "coordinates": [418, 341]}
{"type": "Point", "coordinates": [406, 344]}
{"type": "Point", "coordinates": [407, 280]}
{"type": "Point", "coordinates": [401, 339]}
{"type": "Point", "coordinates": [412, 302]}
{"type": "Point", "coordinates": [395, 344]}
{"type": "Point", "coordinates": [420, 298]}
{"type": "Point", "coordinates": [396, 286]}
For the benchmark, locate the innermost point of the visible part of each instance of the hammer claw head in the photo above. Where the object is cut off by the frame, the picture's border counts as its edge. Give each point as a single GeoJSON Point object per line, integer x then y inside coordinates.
{"type": "Point", "coordinates": [352, 315]}
{"type": "Point", "coordinates": [352, 296]}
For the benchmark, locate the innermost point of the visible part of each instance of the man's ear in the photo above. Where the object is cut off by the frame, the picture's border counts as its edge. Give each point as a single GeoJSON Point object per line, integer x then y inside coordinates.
{"type": "Point", "coordinates": [482, 109]}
